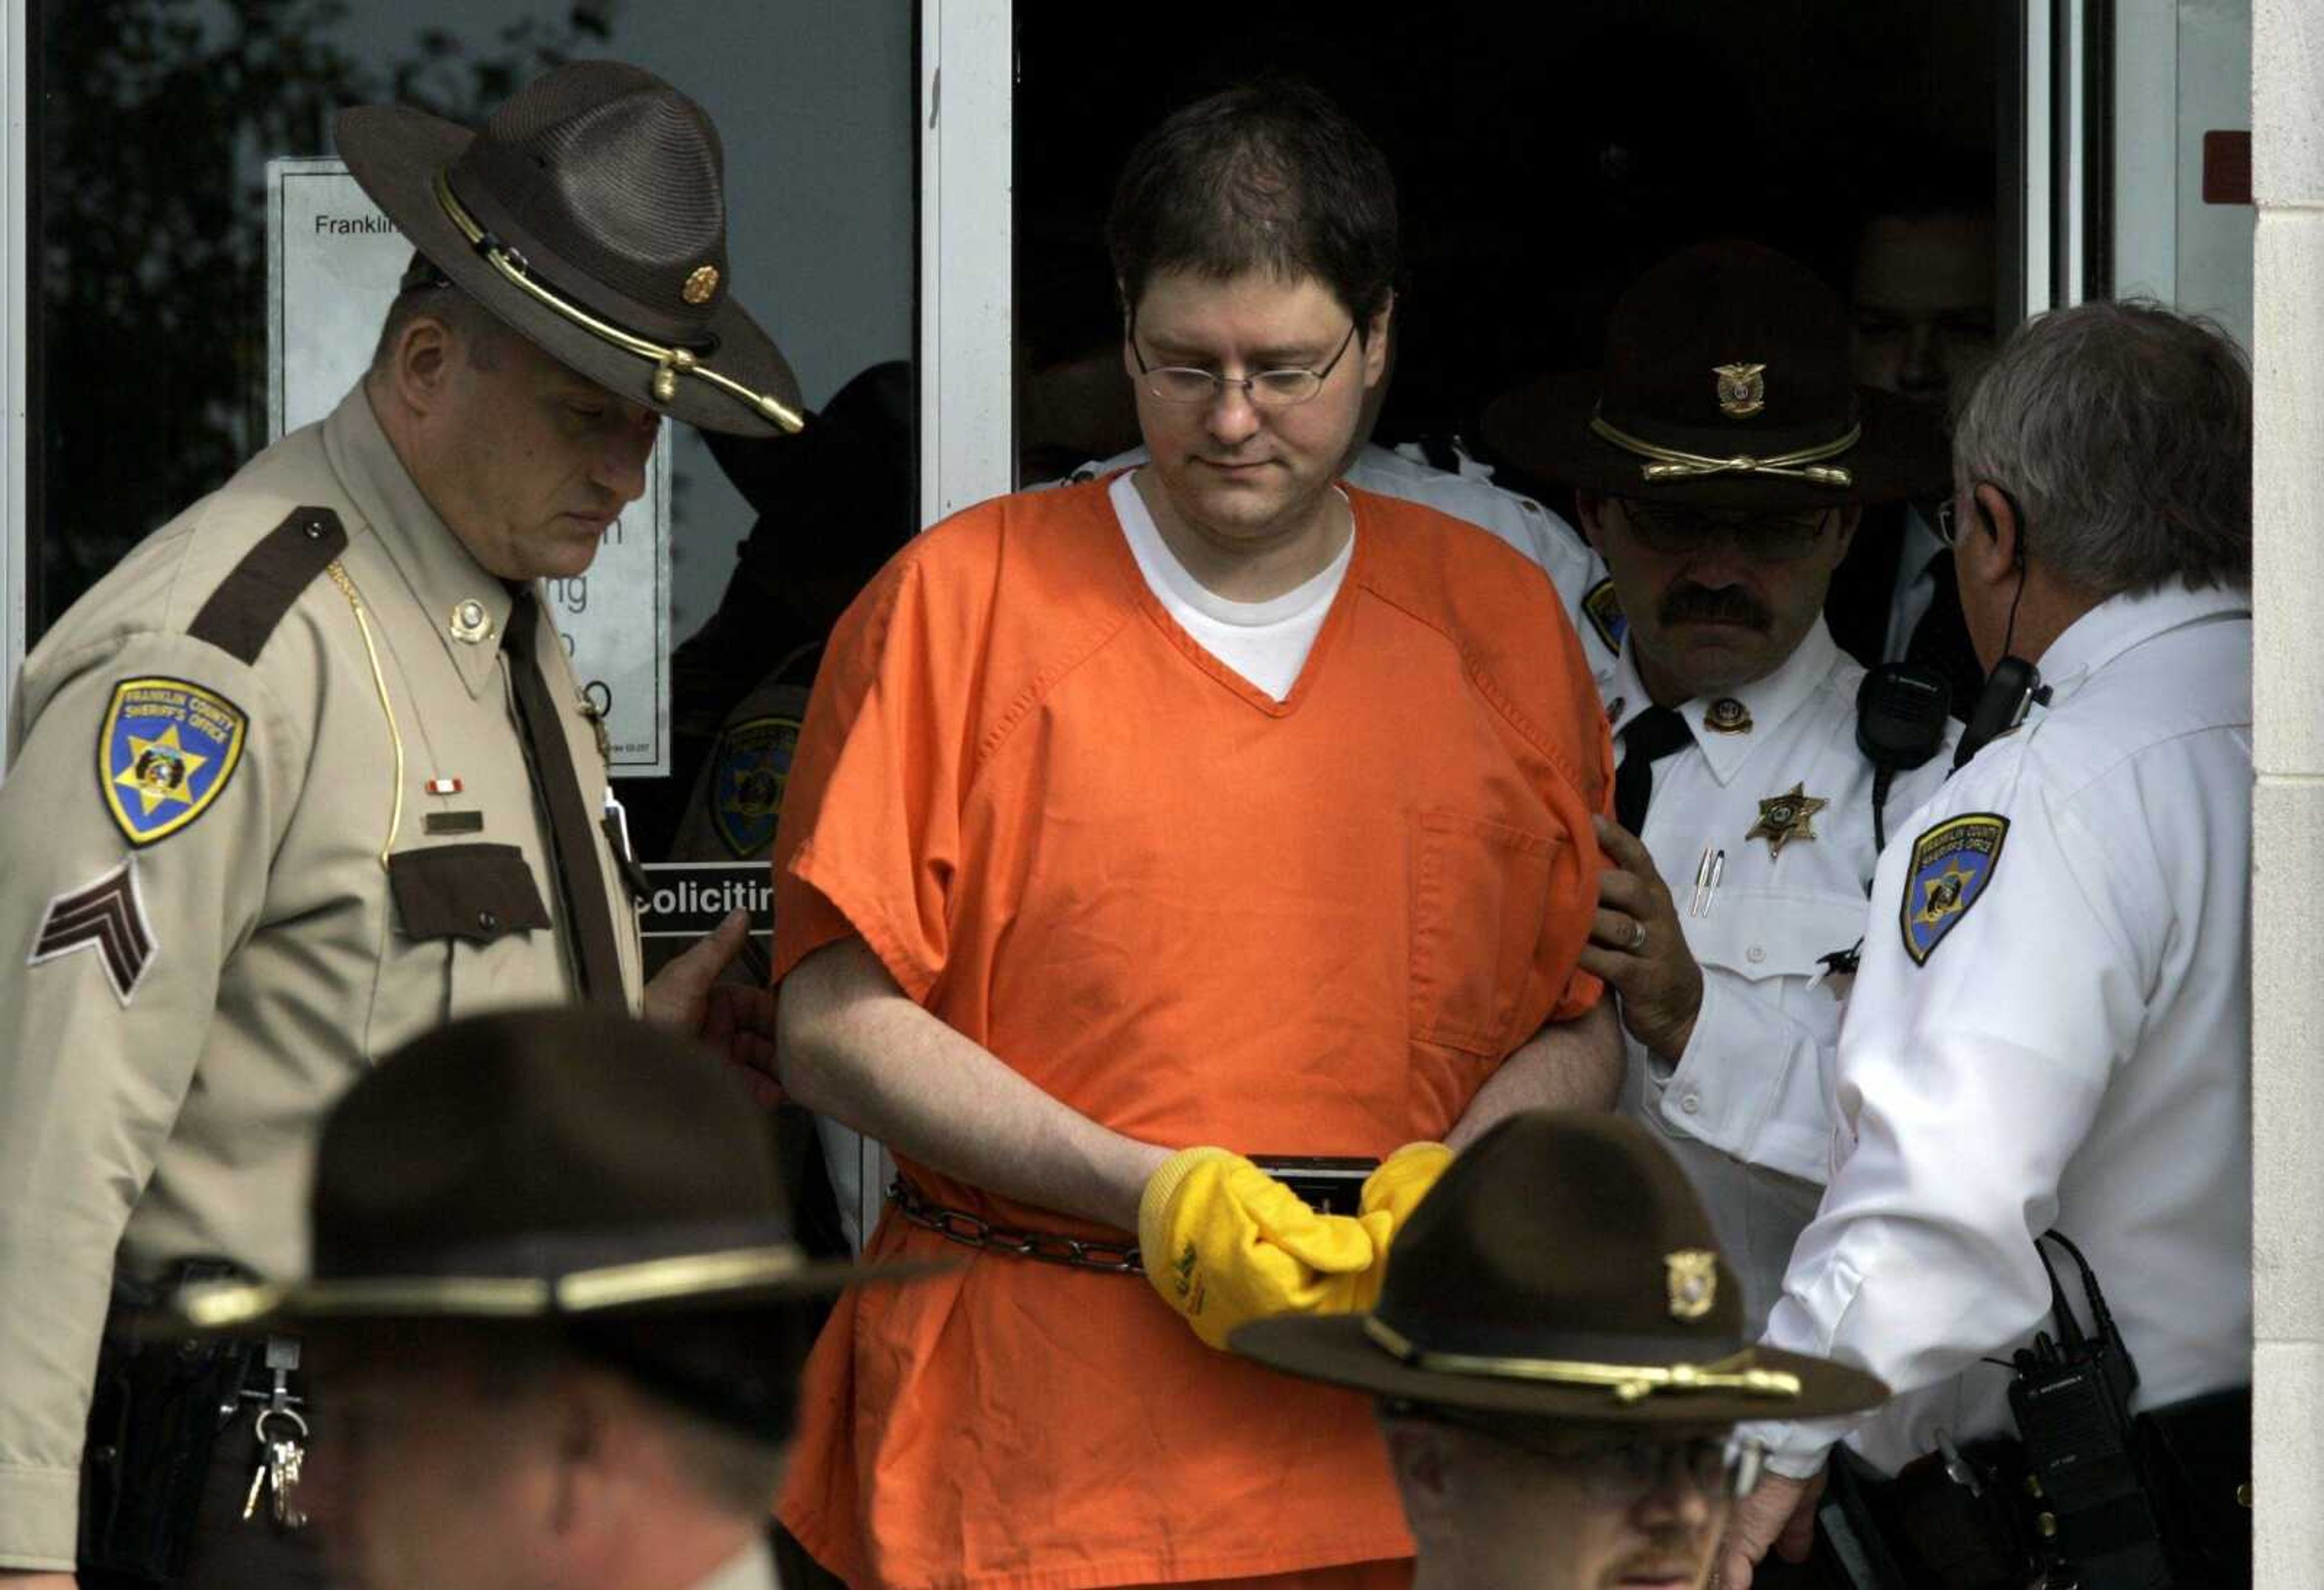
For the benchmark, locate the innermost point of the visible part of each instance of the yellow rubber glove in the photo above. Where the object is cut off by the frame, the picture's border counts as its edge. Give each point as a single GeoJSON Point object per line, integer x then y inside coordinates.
{"type": "Point", "coordinates": [1224, 1244]}
{"type": "Point", "coordinates": [1390, 1195]}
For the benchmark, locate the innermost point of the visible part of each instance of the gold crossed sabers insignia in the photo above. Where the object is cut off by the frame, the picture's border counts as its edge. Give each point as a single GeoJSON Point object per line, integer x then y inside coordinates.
{"type": "Point", "coordinates": [1672, 463]}
{"type": "Point", "coordinates": [670, 362]}
{"type": "Point", "coordinates": [1629, 1383]}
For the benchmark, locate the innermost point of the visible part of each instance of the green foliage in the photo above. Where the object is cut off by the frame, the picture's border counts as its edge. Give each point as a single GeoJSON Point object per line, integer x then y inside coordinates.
{"type": "Point", "coordinates": [156, 120]}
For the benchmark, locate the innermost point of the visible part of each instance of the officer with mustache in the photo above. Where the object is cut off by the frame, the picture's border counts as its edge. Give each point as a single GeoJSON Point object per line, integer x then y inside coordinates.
{"type": "Point", "coordinates": [1720, 462]}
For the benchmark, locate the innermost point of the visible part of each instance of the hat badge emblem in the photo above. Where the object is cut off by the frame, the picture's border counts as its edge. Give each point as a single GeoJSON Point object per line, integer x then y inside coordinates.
{"type": "Point", "coordinates": [1694, 1276]}
{"type": "Point", "coordinates": [700, 285]}
{"type": "Point", "coordinates": [1742, 389]}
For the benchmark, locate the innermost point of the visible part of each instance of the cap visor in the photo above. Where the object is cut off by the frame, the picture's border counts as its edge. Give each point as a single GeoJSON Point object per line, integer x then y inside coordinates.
{"type": "Point", "coordinates": [675, 1284]}
{"type": "Point", "coordinates": [1336, 1351]}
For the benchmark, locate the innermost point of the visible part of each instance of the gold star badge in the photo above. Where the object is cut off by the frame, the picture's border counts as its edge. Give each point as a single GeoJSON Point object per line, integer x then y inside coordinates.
{"type": "Point", "coordinates": [1786, 817]}
{"type": "Point", "coordinates": [160, 769]}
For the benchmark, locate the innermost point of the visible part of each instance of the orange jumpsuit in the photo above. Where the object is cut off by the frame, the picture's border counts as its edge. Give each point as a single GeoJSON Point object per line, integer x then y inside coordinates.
{"type": "Point", "coordinates": [1194, 914]}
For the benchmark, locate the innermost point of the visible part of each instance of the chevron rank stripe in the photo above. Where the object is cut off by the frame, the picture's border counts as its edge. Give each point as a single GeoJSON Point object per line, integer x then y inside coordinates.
{"type": "Point", "coordinates": [108, 918]}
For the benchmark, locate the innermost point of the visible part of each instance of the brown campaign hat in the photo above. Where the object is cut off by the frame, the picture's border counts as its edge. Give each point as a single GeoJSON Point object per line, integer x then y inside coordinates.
{"type": "Point", "coordinates": [1562, 1268]}
{"type": "Point", "coordinates": [589, 214]}
{"type": "Point", "coordinates": [1726, 383]}
{"type": "Point", "coordinates": [554, 1165]}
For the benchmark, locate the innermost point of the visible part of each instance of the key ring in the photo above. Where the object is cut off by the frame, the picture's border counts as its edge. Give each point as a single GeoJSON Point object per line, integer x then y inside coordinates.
{"type": "Point", "coordinates": [292, 1414]}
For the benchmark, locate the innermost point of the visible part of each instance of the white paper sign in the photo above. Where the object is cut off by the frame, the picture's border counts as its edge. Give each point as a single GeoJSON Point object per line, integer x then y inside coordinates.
{"type": "Point", "coordinates": [332, 262]}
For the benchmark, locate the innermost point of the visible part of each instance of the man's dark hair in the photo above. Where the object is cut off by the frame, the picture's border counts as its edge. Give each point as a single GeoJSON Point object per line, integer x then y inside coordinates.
{"type": "Point", "coordinates": [1270, 176]}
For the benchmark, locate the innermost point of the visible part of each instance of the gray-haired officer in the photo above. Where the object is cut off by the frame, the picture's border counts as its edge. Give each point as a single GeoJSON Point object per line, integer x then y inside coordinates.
{"type": "Point", "coordinates": [344, 784]}
{"type": "Point", "coordinates": [1559, 1360]}
{"type": "Point", "coordinates": [1721, 458]}
{"type": "Point", "coordinates": [2051, 1028]}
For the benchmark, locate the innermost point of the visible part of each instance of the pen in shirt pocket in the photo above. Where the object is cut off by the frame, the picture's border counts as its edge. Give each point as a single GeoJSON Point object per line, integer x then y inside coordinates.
{"type": "Point", "coordinates": [1708, 872]}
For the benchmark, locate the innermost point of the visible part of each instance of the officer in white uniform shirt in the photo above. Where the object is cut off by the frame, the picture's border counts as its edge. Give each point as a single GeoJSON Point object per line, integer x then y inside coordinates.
{"type": "Point", "coordinates": [2052, 1026]}
{"type": "Point", "coordinates": [1730, 934]}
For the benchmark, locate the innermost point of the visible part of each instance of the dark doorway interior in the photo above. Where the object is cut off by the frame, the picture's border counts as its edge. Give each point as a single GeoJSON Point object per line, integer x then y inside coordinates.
{"type": "Point", "coordinates": [1544, 156]}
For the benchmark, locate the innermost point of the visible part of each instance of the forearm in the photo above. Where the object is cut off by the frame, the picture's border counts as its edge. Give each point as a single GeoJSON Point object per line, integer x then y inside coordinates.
{"type": "Point", "coordinates": [1567, 1065]}
{"type": "Point", "coordinates": [855, 1048]}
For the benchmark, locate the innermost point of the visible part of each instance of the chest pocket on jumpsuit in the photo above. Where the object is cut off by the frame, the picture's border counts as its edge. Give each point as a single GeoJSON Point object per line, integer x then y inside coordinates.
{"type": "Point", "coordinates": [454, 904]}
{"type": "Point", "coordinates": [1481, 894]}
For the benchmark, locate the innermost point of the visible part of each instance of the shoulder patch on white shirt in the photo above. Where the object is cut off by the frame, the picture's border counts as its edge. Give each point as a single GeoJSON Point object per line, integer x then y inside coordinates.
{"type": "Point", "coordinates": [1603, 608]}
{"type": "Point", "coordinates": [1951, 865]}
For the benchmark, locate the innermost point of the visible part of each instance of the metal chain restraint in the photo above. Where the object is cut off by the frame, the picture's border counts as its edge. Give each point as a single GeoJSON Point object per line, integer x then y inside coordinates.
{"type": "Point", "coordinates": [1043, 1247]}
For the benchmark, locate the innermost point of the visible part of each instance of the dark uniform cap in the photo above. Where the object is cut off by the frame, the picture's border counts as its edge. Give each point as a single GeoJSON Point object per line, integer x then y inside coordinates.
{"type": "Point", "coordinates": [1562, 1268]}
{"type": "Point", "coordinates": [541, 1165]}
{"type": "Point", "coordinates": [1726, 383]}
{"type": "Point", "coordinates": [590, 214]}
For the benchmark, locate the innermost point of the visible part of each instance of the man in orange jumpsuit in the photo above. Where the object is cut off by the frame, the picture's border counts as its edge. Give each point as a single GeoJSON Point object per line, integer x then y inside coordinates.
{"type": "Point", "coordinates": [1210, 803]}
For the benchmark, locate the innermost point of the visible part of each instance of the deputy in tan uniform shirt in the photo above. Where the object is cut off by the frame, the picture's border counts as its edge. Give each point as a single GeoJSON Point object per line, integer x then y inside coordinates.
{"type": "Point", "coordinates": [308, 774]}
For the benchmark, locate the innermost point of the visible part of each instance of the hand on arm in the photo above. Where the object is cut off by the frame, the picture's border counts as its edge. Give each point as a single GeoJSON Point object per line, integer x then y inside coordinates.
{"type": "Point", "coordinates": [1778, 1513]}
{"type": "Point", "coordinates": [736, 1019]}
{"type": "Point", "coordinates": [854, 1047]}
{"type": "Point", "coordinates": [1660, 984]}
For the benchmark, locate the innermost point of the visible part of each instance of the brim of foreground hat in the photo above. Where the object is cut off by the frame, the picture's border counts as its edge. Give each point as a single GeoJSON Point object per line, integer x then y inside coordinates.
{"type": "Point", "coordinates": [739, 1278]}
{"type": "Point", "coordinates": [395, 151]}
{"type": "Point", "coordinates": [1335, 1350]}
{"type": "Point", "coordinates": [1542, 428]}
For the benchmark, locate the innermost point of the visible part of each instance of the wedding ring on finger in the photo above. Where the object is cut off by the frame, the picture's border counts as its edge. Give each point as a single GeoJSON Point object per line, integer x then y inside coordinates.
{"type": "Point", "coordinates": [1638, 937]}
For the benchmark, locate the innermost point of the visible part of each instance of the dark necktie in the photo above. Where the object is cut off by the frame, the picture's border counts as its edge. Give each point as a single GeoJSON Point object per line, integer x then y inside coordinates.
{"type": "Point", "coordinates": [572, 837]}
{"type": "Point", "coordinates": [1647, 739]}
{"type": "Point", "coordinates": [1940, 639]}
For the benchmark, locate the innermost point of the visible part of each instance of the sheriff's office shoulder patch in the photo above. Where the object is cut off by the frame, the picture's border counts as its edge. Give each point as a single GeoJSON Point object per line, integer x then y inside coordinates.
{"type": "Point", "coordinates": [1603, 608]}
{"type": "Point", "coordinates": [749, 770]}
{"type": "Point", "coordinates": [106, 918]}
{"type": "Point", "coordinates": [1952, 863]}
{"type": "Point", "coordinates": [164, 754]}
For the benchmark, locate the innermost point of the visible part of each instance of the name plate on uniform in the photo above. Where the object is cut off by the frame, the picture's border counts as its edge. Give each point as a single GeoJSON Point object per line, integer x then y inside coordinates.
{"type": "Point", "coordinates": [333, 260]}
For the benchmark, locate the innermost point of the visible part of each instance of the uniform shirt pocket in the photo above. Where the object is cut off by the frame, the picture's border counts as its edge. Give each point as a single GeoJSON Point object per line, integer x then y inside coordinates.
{"type": "Point", "coordinates": [1481, 891]}
{"type": "Point", "coordinates": [476, 892]}
{"type": "Point", "coordinates": [1757, 934]}
{"type": "Point", "coordinates": [1753, 1079]}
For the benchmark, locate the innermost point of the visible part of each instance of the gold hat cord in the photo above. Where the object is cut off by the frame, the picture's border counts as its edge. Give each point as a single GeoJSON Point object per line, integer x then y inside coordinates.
{"type": "Point", "coordinates": [1629, 1383]}
{"type": "Point", "coordinates": [669, 362]}
{"type": "Point", "coordinates": [379, 680]}
{"type": "Point", "coordinates": [222, 1305]}
{"type": "Point", "coordinates": [1672, 465]}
